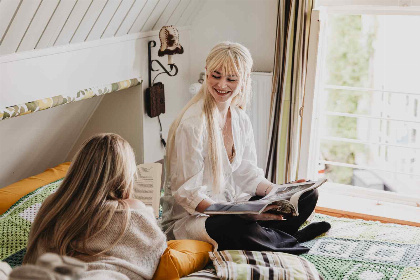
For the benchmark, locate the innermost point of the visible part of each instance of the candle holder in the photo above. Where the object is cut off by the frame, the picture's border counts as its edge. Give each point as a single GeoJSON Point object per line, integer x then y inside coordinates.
{"type": "Point", "coordinates": [172, 67]}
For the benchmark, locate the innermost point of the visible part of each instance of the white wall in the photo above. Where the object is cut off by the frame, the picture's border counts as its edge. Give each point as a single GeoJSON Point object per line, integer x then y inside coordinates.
{"type": "Point", "coordinates": [31, 143]}
{"type": "Point", "coordinates": [176, 96]}
{"type": "Point", "coordinates": [119, 112]}
{"type": "Point", "coordinates": [249, 22]}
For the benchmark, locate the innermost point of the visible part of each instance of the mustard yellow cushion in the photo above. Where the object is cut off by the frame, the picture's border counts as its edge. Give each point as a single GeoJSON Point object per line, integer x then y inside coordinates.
{"type": "Point", "coordinates": [12, 193]}
{"type": "Point", "coordinates": [182, 257]}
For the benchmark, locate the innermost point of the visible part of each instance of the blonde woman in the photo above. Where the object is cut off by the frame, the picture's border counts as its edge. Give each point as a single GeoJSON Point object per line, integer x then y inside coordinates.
{"type": "Point", "coordinates": [212, 158]}
{"type": "Point", "coordinates": [94, 218]}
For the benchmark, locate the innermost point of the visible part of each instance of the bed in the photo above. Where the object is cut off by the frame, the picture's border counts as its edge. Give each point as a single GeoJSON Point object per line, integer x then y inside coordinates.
{"type": "Point", "coordinates": [352, 249]}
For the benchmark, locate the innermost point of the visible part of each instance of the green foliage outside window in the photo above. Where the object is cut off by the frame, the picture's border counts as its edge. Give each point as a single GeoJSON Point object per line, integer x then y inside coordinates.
{"type": "Point", "coordinates": [350, 53]}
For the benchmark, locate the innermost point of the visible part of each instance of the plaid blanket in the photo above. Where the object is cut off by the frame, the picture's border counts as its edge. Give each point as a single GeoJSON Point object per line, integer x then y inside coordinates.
{"type": "Point", "coordinates": [236, 265]}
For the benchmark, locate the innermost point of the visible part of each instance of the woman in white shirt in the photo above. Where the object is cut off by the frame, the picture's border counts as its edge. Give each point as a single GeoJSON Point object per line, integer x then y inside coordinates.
{"type": "Point", "coordinates": [212, 158]}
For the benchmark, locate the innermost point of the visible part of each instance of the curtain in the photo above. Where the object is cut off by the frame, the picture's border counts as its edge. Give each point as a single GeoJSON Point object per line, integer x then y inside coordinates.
{"type": "Point", "coordinates": [289, 74]}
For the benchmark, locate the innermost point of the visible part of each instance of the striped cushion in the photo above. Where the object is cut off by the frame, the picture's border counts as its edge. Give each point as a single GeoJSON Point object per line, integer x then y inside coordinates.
{"type": "Point", "coordinates": [237, 264]}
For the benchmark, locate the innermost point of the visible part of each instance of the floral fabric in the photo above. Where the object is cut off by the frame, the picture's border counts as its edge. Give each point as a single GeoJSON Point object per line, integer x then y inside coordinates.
{"type": "Point", "coordinates": [47, 103]}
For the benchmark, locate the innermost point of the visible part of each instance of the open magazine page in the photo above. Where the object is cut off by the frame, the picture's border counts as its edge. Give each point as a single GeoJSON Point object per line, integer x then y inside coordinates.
{"type": "Point", "coordinates": [147, 185]}
{"type": "Point", "coordinates": [242, 207]}
{"type": "Point", "coordinates": [286, 191]}
{"type": "Point", "coordinates": [286, 198]}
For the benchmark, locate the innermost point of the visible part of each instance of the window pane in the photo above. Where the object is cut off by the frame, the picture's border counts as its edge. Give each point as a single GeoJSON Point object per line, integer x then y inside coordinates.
{"type": "Point", "coordinates": [350, 47]}
{"type": "Point", "coordinates": [348, 101]}
{"type": "Point", "coordinates": [370, 114]}
{"type": "Point", "coordinates": [373, 179]}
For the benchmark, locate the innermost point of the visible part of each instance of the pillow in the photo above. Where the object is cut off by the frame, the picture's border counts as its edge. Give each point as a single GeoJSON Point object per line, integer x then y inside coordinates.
{"type": "Point", "coordinates": [238, 265]}
{"type": "Point", "coordinates": [4, 270]}
{"type": "Point", "coordinates": [12, 193]}
{"type": "Point", "coordinates": [182, 257]}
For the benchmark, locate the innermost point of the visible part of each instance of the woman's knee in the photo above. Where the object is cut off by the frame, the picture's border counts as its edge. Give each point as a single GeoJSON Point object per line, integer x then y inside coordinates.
{"type": "Point", "coordinates": [225, 223]}
{"type": "Point", "coordinates": [314, 194]}
{"type": "Point", "coordinates": [309, 196]}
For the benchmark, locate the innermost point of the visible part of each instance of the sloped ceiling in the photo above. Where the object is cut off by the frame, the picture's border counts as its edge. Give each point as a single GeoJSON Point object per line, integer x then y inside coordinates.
{"type": "Point", "coordinates": [36, 24]}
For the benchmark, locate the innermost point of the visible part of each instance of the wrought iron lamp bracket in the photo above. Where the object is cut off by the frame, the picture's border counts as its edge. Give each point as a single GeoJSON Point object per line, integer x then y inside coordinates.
{"type": "Point", "coordinates": [152, 44]}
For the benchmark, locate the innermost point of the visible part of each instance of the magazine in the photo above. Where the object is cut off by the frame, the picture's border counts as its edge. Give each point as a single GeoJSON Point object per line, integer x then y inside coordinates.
{"type": "Point", "coordinates": [286, 198]}
{"type": "Point", "coordinates": [147, 185]}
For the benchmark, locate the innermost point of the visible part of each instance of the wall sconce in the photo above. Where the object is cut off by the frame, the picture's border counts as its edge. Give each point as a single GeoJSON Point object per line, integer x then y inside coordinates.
{"type": "Point", "coordinates": [194, 88]}
{"type": "Point", "coordinates": [155, 94]}
{"type": "Point", "coordinates": [169, 45]}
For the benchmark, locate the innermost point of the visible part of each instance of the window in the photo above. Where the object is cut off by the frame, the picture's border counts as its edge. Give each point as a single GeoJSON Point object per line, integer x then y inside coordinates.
{"type": "Point", "coordinates": [365, 100]}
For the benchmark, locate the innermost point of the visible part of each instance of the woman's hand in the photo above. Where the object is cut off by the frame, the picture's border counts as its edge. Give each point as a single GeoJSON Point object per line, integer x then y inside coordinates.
{"type": "Point", "coordinates": [203, 205]}
{"type": "Point", "coordinates": [264, 216]}
{"type": "Point", "coordinates": [298, 181]}
{"type": "Point", "coordinates": [265, 187]}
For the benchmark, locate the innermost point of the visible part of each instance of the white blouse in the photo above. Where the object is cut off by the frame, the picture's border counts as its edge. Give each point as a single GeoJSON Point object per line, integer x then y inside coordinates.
{"type": "Point", "coordinates": [190, 179]}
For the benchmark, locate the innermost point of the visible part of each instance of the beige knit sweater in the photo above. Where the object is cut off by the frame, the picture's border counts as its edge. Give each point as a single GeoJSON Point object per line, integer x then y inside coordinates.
{"type": "Point", "coordinates": [136, 255]}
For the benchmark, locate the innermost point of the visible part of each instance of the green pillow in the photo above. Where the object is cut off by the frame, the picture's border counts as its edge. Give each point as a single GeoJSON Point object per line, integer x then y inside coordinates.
{"type": "Point", "coordinates": [238, 265]}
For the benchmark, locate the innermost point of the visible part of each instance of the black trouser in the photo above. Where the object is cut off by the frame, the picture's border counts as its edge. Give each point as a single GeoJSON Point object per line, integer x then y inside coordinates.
{"type": "Point", "coordinates": [232, 232]}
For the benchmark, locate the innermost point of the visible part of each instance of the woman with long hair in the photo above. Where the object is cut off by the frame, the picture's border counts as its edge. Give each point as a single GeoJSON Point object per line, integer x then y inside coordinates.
{"type": "Point", "coordinates": [211, 157]}
{"type": "Point", "coordinates": [93, 217]}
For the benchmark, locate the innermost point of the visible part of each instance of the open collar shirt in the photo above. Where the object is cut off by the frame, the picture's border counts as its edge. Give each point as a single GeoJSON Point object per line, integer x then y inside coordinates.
{"type": "Point", "coordinates": [190, 180]}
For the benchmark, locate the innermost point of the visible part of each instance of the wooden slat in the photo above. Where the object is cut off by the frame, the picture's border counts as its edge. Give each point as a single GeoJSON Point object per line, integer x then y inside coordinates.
{"type": "Point", "coordinates": [8, 10]}
{"type": "Point", "coordinates": [18, 27]}
{"type": "Point", "coordinates": [354, 215]}
{"type": "Point", "coordinates": [38, 25]}
{"type": "Point", "coordinates": [143, 16]}
{"type": "Point", "coordinates": [187, 13]}
{"type": "Point", "coordinates": [131, 17]}
{"type": "Point", "coordinates": [104, 19]}
{"type": "Point", "coordinates": [154, 17]}
{"type": "Point", "coordinates": [89, 21]}
{"type": "Point", "coordinates": [180, 9]}
{"type": "Point", "coordinates": [53, 29]}
{"type": "Point", "coordinates": [164, 17]}
{"type": "Point", "coordinates": [119, 16]}
{"type": "Point", "coordinates": [73, 22]}
{"type": "Point", "coordinates": [195, 12]}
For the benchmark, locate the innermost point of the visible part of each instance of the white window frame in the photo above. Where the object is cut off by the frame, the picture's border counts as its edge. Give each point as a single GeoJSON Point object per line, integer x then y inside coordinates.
{"type": "Point", "coordinates": [317, 43]}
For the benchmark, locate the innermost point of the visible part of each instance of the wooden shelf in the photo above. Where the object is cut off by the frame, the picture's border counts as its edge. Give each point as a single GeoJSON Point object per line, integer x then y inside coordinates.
{"type": "Point", "coordinates": [367, 209]}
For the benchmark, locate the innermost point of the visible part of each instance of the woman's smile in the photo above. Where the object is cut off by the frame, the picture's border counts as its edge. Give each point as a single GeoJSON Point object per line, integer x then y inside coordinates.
{"type": "Point", "coordinates": [222, 92]}
{"type": "Point", "coordinates": [222, 87]}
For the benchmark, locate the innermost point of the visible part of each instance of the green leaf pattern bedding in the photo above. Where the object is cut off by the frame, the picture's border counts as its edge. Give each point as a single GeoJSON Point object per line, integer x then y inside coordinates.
{"type": "Point", "coordinates": [352, 249]}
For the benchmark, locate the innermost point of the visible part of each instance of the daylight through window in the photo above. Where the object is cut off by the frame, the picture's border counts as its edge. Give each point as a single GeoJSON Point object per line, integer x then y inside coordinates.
{"type": "Point", "coordinates": [368, 103]}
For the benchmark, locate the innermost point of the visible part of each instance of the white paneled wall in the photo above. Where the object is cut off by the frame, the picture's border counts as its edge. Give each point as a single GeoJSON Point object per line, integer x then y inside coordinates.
{"type": "Point", "coordinates": [91, 15]}
{"type": "Point", "coordinates": [36, 24]}
{"type": "Point", "coordinates": [154, 15]}
{"type": "Point", "coordinates": [55, 24]}
{"type": "Point", "coordinates": [179, 10]}
{"type": "Point", "coordinates": [259, 113]}
{"type": "Point", "coordinates": [170, 8]}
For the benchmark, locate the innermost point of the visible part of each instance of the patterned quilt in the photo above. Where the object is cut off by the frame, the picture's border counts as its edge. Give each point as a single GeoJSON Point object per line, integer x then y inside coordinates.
{"type": "Point", "coordinates": [352, 249]}
{"type": "Point", "coordinates": [15, 223]}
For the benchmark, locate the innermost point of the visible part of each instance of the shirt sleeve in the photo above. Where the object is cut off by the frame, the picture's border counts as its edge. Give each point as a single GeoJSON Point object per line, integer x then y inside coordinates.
{"type": "Point", "coordinates": [188, 167]}
{"type": "Point", "coordinates": [248, 175]}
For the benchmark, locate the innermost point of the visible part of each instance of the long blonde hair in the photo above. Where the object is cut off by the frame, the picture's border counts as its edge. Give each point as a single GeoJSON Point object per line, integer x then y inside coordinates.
{"type": "Point", "coordinates": [232, 59]}
{"type": "Point", "coordinates": [98, 181]}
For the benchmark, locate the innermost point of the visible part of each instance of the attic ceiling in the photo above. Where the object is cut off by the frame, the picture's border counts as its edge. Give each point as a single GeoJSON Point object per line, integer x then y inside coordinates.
{"type": "Point", "coordinates": [37, 24]}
